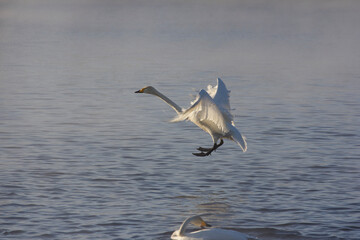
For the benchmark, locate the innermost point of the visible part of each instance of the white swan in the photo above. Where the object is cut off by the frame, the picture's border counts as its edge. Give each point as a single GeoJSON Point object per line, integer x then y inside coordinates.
{"type": "Point", "coordinates": [211, 112]}
{"type": "Point", "coordinates": [205, 234]}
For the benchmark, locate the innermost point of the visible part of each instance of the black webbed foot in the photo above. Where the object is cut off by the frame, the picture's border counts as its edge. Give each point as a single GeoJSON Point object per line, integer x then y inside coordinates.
{"type": "Point", "coordinates": [202, 154]}
{"type": "Point", "coordinates": [204, 149]}
{"type": "Point", "coordinates": [207, 151]}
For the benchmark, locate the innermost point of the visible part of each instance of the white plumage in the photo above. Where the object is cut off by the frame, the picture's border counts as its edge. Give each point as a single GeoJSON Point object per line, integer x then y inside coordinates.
{"type": "Point", "coordinates": [205, 234]}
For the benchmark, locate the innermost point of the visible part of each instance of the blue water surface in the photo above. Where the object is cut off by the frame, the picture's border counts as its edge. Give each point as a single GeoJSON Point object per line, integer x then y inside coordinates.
{"type": "Point", "coordinates": [83, 157]}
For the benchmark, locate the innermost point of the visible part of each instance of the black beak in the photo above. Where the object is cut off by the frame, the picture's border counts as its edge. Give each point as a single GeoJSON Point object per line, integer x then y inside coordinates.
{"type": "Point", "coordinates": [138, 91]}
{"type": "Point", "coordinates": [206, 225]}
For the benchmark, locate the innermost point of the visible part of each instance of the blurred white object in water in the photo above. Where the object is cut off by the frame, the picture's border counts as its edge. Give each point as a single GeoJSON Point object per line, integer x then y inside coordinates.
{"type": "Point", "coordinates": [205, 234]}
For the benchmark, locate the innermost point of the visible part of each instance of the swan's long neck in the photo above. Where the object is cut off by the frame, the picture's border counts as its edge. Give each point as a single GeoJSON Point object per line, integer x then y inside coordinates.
{"type": "Point", "coordinates": [168, 101]}
{"type": "Point", "coordinates": [184, 225]}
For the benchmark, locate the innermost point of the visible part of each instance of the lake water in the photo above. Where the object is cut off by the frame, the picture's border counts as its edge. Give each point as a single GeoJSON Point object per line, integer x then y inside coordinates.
{"type": "Point", "coordinates": [83, 157]}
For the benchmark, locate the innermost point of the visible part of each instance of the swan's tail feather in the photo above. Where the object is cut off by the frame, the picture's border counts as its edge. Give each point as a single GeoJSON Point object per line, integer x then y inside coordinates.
{"type": "Point", "coordinates": [239, 139]}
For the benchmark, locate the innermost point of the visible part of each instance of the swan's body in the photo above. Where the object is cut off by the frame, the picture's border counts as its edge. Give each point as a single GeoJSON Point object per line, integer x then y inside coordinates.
{"type": "Point", "coordinates": [211, 112]}
{"type": "Point", "coordinates": [205, 234]}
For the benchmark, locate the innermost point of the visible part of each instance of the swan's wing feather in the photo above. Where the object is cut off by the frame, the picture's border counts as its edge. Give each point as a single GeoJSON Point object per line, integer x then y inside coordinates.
{"type": "Point", "coordinates": [222, 95]}
{"type": "Point", "coordinates": [205, 112]}
{"type": "Point", "coordinates": [237, 137]}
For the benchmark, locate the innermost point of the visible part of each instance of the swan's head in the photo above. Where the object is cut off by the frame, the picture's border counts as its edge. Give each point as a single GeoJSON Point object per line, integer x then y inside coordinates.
{"type": "Point", "coordinates": [199, 222]}
{"type": "Point", "coordinates": [148, 90]}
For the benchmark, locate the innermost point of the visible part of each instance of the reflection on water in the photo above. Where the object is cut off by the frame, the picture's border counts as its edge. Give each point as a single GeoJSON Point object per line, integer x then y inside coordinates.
{"type": "Point", "coordinates": [82, 156]}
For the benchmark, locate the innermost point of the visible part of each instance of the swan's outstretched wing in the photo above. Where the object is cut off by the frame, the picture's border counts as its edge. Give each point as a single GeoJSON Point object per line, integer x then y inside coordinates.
{"type": "Point", "coordinates": [206, 114]}
{"type": "Point", "coordinates": [221, 97]}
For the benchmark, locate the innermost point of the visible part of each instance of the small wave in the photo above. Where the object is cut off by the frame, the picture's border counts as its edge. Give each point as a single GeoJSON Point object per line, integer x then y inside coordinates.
{"type": "Point", "coordinates": [185, 197]}
{"type": "Point", "coordinates": [263, 210]}
{"type": "Point", "coordinates": [105, 180]}
{"type": "Point", "coordinates": [295, 224]}
{"type": "Point", "coordinates": [114, 224]}
{"type": "Point", "coordinates": [46, 236]}
{"type": "Point", "coordinates": [278, 234]}
{"type": "Point", "coordinates": [12, 232]}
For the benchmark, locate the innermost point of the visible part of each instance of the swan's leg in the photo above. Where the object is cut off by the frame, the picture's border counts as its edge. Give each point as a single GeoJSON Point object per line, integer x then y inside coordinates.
{"type": "Point", "coordinates": [204, 149]}
{"type": "Point", "coordinates": [211, 149]}
{"type": "Point", "coordinates": [207, 151]}
{"type": "Point", "coordinates": [221, 143]}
